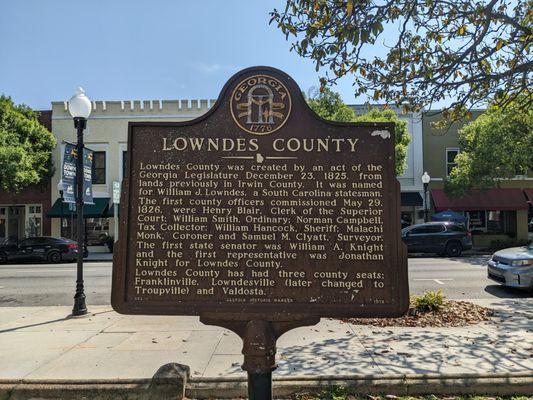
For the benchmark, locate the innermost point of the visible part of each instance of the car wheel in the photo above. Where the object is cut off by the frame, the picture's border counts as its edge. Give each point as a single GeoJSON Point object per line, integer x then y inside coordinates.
{"type": "Point", "coordinates": [454, 249]}
{"type": "Point", "coordinates": [3, 258]}
{"type": "Point", "coordinates": [54, 257]}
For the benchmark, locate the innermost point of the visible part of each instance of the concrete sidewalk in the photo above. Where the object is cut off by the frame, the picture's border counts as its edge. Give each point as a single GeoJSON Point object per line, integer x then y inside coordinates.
{"type": "Point", "coordinates": [42, 343]}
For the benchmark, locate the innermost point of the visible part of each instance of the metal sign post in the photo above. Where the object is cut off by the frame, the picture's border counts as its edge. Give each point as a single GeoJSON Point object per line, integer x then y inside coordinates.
{"type": "Point", "coordinates": [116, 202]}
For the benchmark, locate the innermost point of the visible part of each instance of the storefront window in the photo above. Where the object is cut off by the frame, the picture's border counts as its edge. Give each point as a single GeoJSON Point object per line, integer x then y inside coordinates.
{"type": "Point", "coordinates": [3, 229]}
{"type": "Point", "coordinates": [97, 231]}
{"type": "Point", "coordinates": [477, 220]}
{"type": "Point", "coordinates": [495, 221]}
{"type": "Point", "coordinates": [407, 218]}
{"type": "Point", "coordinates": [486, 221]}
{"type": "Point", "coordinates": [34, 226]}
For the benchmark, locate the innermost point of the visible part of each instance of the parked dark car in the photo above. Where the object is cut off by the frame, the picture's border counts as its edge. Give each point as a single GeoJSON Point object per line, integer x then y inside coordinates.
{"type": "Point", "coordinates": [41, 248]}
{"type": "Point", "coordinates": [443, 238]}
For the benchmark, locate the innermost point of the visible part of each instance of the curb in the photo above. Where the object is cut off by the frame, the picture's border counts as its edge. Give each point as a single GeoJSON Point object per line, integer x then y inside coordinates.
{"type": "Point", "coordinates": [399, 385]}
{"type": "Point", "coordinates": [230, 388]}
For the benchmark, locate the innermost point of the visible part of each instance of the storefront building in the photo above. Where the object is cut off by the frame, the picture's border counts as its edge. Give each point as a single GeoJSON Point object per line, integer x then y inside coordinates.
{"type": "Point", "coordinates": [23, 214]}
{"type": "Point", "coordinates": [106, 135]}
{"type": "Point", "coordinates": [500, 214]}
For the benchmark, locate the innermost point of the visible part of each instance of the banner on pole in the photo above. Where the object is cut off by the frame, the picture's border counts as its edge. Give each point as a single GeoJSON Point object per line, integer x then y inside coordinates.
{"type": "Point", "coordinates": [69, 174]}
{"type": "Point", "coordinates": [88, 176]}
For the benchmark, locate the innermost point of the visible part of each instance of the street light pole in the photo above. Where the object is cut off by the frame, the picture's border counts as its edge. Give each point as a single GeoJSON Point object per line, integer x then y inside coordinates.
{"type": "Point", "coordinates": [425, 180]}
{"type": "Point", "coordinates": [60, 189]}
{"type": "Point", "coordinates": [80, 109]}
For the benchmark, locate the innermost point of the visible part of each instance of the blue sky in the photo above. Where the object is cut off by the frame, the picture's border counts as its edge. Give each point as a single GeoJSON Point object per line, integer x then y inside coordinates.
{"type": "Point", "coordinates": [134, 49]}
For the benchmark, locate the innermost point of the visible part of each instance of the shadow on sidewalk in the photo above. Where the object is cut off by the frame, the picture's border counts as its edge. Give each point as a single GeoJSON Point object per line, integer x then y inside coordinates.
{"type": "Point", "coordinates": [504, 292]}
{"type": "Point", "coordinates": [68, 317]}
{"type": "Point", "coordinates": [34, 325]}
{"type": "Point", "coordinates": [499, 346]}
{"type": "Point", "coordinates": [411, 352]}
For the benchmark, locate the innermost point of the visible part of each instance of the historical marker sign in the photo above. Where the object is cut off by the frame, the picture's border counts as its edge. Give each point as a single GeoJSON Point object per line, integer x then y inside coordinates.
{"type": "Point", "coordinates": [259, 208]}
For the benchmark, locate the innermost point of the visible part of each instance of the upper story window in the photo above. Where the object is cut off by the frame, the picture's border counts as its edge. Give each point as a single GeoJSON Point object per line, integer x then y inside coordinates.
{"type": "Point", "coordinates": [124, 155]}
{"type": "Point", "coordinates": [451, 153]}
{"type": "Point", "coordinates": [99, 167]}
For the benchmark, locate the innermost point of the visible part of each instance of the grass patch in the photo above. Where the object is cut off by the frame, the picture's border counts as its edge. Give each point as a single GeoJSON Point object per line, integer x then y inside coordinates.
{"type": "Point", "coordinates": [340, 393]}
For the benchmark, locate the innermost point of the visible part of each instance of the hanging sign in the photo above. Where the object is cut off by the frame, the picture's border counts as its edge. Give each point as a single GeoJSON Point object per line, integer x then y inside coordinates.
{"type": "Point", "coordinates": [70, 156]}
{"type": "Point", "coordinates": [88, 176]}
{"type": "Point", "coordinates": [68, 173]}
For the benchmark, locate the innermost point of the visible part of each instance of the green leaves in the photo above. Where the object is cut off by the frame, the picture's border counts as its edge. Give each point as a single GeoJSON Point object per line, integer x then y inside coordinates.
{"type": "Point", "coordinates": [498, 144]}
{"type": "Point", "coordinates": [25, 147]}
{"type": "Point", "coordinates": [436, 51]}
{"type": "Point", "coordinates": [401, 134]}
{"type": "Point", "coordinates": [329, 105]}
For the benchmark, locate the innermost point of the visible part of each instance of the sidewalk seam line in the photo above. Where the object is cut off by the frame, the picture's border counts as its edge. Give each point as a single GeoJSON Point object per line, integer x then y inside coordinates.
{"type": "Point", "coordinates": [65, 352]}
{"type": "Point", "coordinates": [214, 350]}
{"type": "Point", "coordinates": [367, 351]}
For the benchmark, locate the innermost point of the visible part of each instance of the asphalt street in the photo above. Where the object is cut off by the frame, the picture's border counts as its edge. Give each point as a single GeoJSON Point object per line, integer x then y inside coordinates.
{"type": "Point", "coordinates": [54, 284]}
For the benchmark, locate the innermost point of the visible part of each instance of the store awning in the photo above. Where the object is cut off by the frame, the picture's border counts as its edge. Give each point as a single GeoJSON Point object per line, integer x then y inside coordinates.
{"type": "Point", "coordinates": [490, 200]}
{"type": "Point", "coordinates": [110, 213]}
{"type": "Point", "coordinates": [411, 199]}
{"type": "Point", "coordinates": [529, 195]}
{"type": "Point", "coordinates": [66, 210]}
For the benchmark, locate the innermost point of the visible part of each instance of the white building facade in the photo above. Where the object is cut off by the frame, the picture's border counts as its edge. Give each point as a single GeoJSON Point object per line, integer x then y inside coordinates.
{"type": "Point", "coordinates": [106, 135]}
{"type": "Point", "coordinates": [411, 187]}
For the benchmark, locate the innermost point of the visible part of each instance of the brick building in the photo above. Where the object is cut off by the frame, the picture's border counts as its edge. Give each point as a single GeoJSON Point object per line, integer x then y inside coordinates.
{"type": "Point", "coordinates": [23, 214]}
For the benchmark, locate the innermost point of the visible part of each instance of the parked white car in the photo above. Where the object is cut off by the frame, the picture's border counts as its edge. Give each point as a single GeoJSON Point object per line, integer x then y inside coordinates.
{"type": "Point", "coordinates": [513, 267]}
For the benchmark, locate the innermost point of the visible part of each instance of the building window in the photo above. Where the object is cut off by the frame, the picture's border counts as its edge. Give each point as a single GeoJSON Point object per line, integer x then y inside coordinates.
{"type": "Point", "coordinates": [99, 167]}
{"type": "Point", "coordinates": [495, 221]}
{"type": "Point", "coordinates": [124, 154]}
{"type": "Point", "coordinates": [450, 160]}
{"type": "Point", "coordinates": [477, 220]}
{"type": "Point", "coordinates": [97, 231]}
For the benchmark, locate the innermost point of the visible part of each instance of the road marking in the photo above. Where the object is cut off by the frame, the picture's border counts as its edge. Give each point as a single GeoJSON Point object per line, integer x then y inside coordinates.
{"type": "Point", "coordinates": [439, 280]}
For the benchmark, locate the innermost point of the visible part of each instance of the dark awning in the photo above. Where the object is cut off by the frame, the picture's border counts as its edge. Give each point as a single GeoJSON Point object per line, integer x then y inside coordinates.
{"type": "Point", "coordinates": [529, 195]}
{"type": "Point", "coordinates": [96, 210]}
{"type": "Point", "coordinates": [490, 200]}
{"type": "Point", "coordinates": [110, 213]}
{"type": "Point", "coordinates": [411, 199]}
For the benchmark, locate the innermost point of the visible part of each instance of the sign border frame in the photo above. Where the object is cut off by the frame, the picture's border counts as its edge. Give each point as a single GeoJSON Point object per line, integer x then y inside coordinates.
{"type": "Point", "coordinates": [260, 310]}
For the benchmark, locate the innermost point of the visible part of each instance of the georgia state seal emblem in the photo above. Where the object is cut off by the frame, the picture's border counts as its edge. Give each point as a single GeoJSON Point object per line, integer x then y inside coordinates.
{"type": "Point", "coordinates": [260, 104]}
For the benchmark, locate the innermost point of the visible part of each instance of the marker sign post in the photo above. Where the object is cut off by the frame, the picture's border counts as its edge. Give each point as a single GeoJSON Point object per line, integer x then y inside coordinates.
{"type": "Point", "coordinates": [260, 217]}
{"type": "Point", "coordinates": [116, 202]}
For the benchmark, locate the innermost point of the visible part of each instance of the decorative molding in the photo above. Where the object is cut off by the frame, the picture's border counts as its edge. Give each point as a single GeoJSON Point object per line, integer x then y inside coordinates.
{"type": "Point", "coordinates": [127, 117]}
